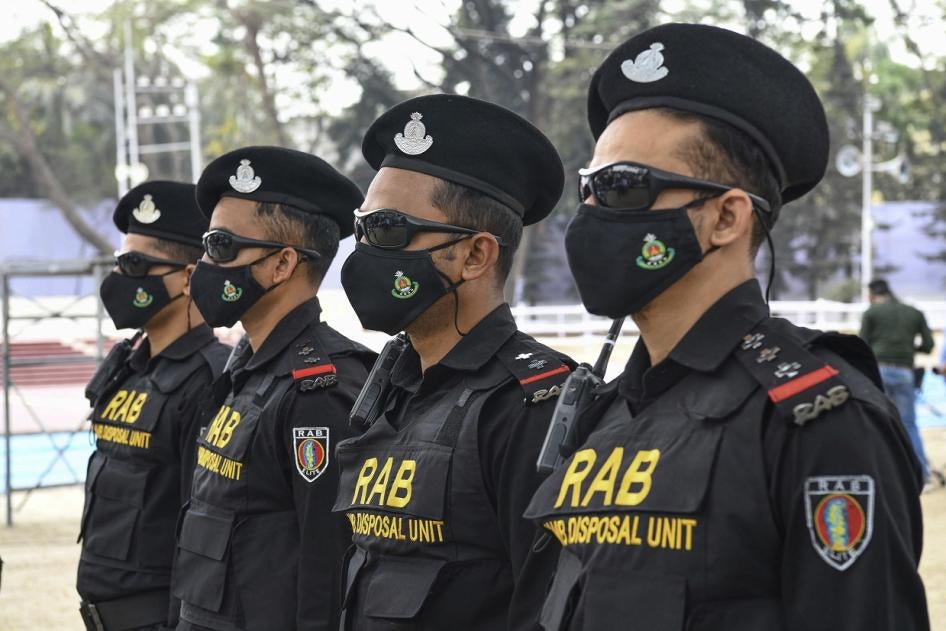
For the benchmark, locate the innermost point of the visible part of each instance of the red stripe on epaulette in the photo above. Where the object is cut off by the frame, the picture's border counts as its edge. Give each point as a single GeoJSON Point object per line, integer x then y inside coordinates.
{"type": "Point", "coordinates": [800, 384]}
{"type": "Point", "coordinates": [302, 373]}
{"type": "Point", "coordinates": [545, 375]}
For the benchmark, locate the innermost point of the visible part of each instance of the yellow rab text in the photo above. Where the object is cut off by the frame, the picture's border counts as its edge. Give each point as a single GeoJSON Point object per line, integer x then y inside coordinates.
{"type": "Point", "coordinates": [634, 484]}
{"type": "Point", "coordinates": [125, 406]}
{"type": "Point", "coordinates": [372, 485]}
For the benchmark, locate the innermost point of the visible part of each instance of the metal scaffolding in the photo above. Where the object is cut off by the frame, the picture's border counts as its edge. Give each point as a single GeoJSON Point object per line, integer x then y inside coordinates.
{"type": "Point", "coordinates": [96, 268]}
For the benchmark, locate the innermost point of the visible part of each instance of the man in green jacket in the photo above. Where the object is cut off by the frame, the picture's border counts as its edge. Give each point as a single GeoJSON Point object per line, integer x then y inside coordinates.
{"type": "Point", "coordinates": [891, 328]}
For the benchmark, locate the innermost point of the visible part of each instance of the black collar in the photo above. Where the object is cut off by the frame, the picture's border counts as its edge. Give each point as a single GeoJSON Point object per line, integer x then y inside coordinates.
{"type": "Point", "coordinates": [469, 354]}
{"type": "Point", "coordinates": [704, 347]}
{"type": "Point", "coordinates": [288, 329]}
{"type": "Point", "coordinates": [181, 348]}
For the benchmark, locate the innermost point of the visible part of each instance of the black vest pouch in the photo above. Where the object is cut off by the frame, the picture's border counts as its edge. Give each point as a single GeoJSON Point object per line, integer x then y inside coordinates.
{"type": "Point", "coordinates": [202, 555]}
{"type": "Point", "coordinates": [118, 490]}
{"type": "Point", "coordinates": [747, 614]}
{"type": "Point", "coordinates": [94, 468]}
{"type": "Point", "coordinates": [622, 599]}
{"type": "Point", "coordinates": [399, 586]}
{"type": "Point", "coordinates": [561, 599]}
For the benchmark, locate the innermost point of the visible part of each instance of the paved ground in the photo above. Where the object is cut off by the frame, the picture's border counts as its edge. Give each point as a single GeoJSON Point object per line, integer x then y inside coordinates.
{"type": "Point", "coordinates": [40, 556]}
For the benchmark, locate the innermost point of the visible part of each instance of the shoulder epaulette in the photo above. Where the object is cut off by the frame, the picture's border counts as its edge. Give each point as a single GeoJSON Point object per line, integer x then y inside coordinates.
{"type": "Point", "coordinates": [311, 365]}
{"type": "Point", "coordinates": [800, 386]}
{"type": "Point", "coordinates": [538, 369]}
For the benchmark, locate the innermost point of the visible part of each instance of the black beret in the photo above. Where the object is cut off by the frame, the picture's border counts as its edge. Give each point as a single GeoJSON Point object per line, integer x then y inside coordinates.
{"type": "Point", "coordinates": [474, 143]}
{"type": "Point", "coordinates": [280, 176]}
{"type": "Point", "coordinates": [166, 210]}
{"type": "Point", "coordinates": [723, 75]}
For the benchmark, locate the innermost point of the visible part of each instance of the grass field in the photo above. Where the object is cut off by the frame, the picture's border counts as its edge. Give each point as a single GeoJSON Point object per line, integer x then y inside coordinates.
{"type": "Point", "coordinates": [40, 556]}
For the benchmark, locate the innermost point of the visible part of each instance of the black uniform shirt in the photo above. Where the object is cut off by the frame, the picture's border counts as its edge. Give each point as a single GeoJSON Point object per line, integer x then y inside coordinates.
{"type": "Point", "coordinates": [704, 501]}
{"type": "Point", "coordinates": [140, 473]}
{"type": "Point", "coordinates": [473, 487]}
{"type": "Point", "coordinates": [258, 547]}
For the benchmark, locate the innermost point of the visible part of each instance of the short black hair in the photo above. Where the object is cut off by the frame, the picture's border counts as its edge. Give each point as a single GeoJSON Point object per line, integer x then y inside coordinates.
{"type": "Point", "coordinates": [729, 156]}
{"type": "Point", "coordinates": [294, 227]}
{"type": "Point", "coordinates": [879, 287]}
{"type": "Point", "coordinates": [469, 208]}
{"type": "Point", "coordinates": [176, 251]}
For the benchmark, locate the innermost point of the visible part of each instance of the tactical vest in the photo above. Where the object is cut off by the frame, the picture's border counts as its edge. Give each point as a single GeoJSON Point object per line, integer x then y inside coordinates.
{"type": "Point", "coordinates": [665, 518]}
{"type": "Point", "coordinates": [132, 488]}
{"type": "Point", "coordinates": [420, 516]}
{"type": "Point", "coordinates": [239, 538]}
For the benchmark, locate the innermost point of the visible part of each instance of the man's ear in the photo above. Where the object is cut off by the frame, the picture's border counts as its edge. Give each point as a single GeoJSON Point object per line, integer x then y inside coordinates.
{"type": "Point", "coordinates": [286, 262]}
{"type": "Point", "coordinates": [732, 220]}
{"type": "Point", "coordinates": [481, 256]}
{"type": "Point", "coordinates": [188, 270]}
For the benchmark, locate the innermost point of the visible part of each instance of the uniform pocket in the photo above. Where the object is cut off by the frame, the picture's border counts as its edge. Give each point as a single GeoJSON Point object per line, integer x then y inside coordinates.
{"type": "Point", "coordinates": [96, 462]}
{"type": "Point", "coordinates": [612, 598]}
{"type": "Point", "coordinates": [117, 489]}
{"type": "Point", "coordinates": [398, 588]}
{"type": "Point", "coordinates": [563, 594]}
{"type": "Point", "coordinates": [201, 563]}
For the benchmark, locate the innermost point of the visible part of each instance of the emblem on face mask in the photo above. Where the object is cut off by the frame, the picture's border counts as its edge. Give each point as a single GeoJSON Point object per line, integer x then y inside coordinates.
{"type": "Point", "coordinates": [413, 141]}
{"type": "Point", "coordinates": [142, 298]}
{"type": "Point", "coordinates": [231, 293]}
{"type": "Point", "coordinates": [245, 180]}
{"type": "Point", "coordinates": [404, 287]}
{"type": "Point", "coordinates": [654, 254]}
{"type": "Point", "coordinates": [146, 211]}
{"type": "Point", "coordinates": [647, 67]}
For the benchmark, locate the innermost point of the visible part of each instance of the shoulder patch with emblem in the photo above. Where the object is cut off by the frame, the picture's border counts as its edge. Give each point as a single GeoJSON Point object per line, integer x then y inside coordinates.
{"type": "Point", "coordinates": [839, 511]}
{"type": "Point", "coordinates": [540, 372]}
{"type": "Point", "coordinates": [310, 447]}
{"type": "Point", "coordinates": [312, 368]}
{"type": "Point", "coordinates": [801, 386]}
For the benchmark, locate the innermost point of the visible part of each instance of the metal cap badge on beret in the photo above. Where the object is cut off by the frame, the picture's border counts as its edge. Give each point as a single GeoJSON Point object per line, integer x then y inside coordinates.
{"type": "Point", "coordinates": [724, 75]}
{"type": "Point", "coordinates": [166, 210]}
{"type": "Point", "coordinates": [280, 176]}
{"type": "Point", "coordinates": [473, 143]}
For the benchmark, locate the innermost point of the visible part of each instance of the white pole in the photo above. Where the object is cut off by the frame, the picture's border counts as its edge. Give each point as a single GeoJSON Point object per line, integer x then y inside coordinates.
{"type": "Point", "coordinates": [193, 120]}
{"type": "Point", "coordinates": [121, 148]}
{"type": "Point", "coordinates": [867, 187]}
{"type": "Point", "coordinates": [130, 102]}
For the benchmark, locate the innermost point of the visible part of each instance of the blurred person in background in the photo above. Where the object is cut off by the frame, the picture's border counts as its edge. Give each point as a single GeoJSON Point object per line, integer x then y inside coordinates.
{"type": "Point", "coordinates": [146, 408]}
{"type": "Point", "coordinates": [891, 328]}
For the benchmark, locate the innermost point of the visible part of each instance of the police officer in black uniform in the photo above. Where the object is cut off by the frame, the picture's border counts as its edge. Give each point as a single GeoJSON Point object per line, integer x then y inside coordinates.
{"type": "Point", "coordinates": [435, 487]}
{"type": "Point", "coordinates": [743, 473]}
{"type": "Point", "coordinates": [258, 547]}
{"type": "Point", "coordinates": [146, 410]}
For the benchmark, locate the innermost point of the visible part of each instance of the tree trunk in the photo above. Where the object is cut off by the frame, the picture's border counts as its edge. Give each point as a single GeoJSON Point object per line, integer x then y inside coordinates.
{"type": "Point", "coordinates": [25, 142]}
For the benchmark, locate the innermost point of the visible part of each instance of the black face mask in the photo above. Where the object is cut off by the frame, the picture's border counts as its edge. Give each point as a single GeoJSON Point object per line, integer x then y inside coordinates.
{"type": "Point", "coordinates": [133, 300]}
{"type": "Point", "coordinates": [389, 289]}
{"type": "Point", "coordinates": [623, 259]}
{"type": "Point", "coordinates": [224, 294]}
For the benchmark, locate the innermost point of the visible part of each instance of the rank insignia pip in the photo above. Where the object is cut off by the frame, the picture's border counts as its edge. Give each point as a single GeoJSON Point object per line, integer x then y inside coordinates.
{"type": "Point", "coordinates": [839, 511]}
{"type": "Point", "coordinates": [310, 446]}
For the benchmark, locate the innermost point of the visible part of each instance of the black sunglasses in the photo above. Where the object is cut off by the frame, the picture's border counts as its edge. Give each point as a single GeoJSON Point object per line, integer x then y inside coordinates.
{"type": "Point", "coordinates": [635, 186]}
{"type": "Point", "coordinates": [222, 246]}
{"type": "Point", "coordinates": [392, 230]}
{"type": "Point", "coordinates": [136, 264]}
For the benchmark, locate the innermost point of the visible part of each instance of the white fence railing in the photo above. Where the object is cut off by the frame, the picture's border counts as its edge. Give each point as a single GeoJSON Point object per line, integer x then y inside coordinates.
{"type": "Point", "coordinates": [574, 321]}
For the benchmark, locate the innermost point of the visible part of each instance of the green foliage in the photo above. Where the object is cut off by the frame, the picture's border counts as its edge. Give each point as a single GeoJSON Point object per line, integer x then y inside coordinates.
{"type": "Point", "coordinates": [266, 65]}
